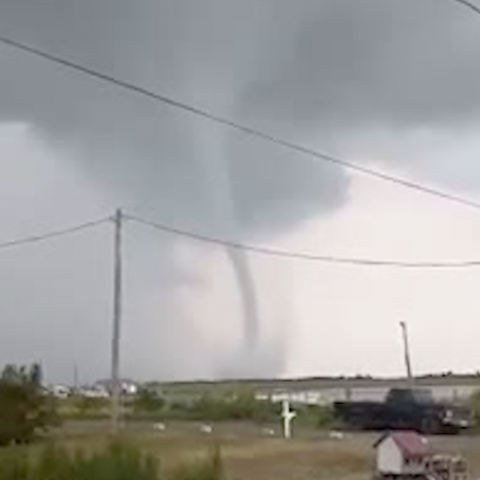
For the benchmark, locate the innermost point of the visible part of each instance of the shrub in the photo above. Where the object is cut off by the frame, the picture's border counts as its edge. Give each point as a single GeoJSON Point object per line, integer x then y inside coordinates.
{"type": "Point", "coordinates": [325, 416]}
{"type": "Point", "coordinates": [26, 409]}
{"type": "Point", "coordinates": [475, 407]}
{"type": "Point", "coordinates": [205, 469]}
{"type": "Point", "coordinates": [148, 400]}
{"type": "Point", "coordinates": [240, 405]}
{"type": "Point", "coordinates": [117, 462]}
{"type": "Point", "coordinates": [90, 407]}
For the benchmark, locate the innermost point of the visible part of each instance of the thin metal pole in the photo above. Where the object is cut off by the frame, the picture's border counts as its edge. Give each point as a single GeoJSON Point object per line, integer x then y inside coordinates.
{"type": "Point", "coordinates": [75, 378]}
{"type": "Point", "coordinates": [117, 317]}
{"type": "Point", "coordinates": [406, 347]}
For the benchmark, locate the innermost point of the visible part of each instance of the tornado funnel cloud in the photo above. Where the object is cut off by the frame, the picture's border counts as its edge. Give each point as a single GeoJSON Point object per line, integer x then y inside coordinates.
{"type": "Point", "coordinates": [217, 175]}
{"type": "Point", "coordinates": [248, 296]}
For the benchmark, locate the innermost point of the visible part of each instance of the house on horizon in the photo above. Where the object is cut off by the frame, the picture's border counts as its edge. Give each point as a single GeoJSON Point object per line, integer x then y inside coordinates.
{"type": "Point", "coordinates": [128, 387]}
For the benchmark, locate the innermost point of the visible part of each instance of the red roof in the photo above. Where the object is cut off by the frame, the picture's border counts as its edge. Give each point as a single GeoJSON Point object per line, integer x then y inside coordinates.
{"type": "Point", "coordinates": [410, 443]}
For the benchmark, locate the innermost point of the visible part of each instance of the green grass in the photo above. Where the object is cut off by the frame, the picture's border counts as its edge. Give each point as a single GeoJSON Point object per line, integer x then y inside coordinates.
{"type": "Point", "coordinates": [247, 454]}
{"type": "Point", "coordinates": [116, 460]}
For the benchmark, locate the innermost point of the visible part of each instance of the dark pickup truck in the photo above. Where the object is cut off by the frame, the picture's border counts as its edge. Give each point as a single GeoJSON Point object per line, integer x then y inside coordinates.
{"type": "Point", "coordinates": [405, 409]}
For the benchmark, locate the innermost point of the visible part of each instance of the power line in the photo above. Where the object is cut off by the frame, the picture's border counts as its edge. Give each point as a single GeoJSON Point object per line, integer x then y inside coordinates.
{"type": "Point", "coordinates": [358, 262]}
{"type": "Point", "coordinates": [469, 5]}
{"type": "Point", "coordinates": [52, 235]}
{"type": "Point", "coordinates": [250, 131]}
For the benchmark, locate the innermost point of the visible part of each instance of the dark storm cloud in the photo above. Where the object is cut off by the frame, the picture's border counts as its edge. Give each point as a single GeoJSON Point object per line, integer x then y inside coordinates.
{"type": "Point", "coordinates": [357, 64]}
{"type": "Point", "coordinates": [309, 70]}
{"type": "Point", "coordinates": [148, 152]}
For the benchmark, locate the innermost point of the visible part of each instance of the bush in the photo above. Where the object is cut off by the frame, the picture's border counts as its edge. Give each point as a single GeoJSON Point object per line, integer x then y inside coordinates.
{"type": "Point", "coordinates": [241, 405]}
{"type": "Point", "coordinates": [148, 400]}
{"type": "Point", "coordinates": [118, 462]}
{"type": "Point", "coordinates": [90, 407]}
{"type": "Point", "coordinates": [475, 407]}
{"type": "Point", "coordinates": [238, 405]}
{"type": "Point", "coordinates": [325, 417]}
{"type": "Point", "coordinates": [26, 409]}
{"type": "Point", "coordinates": [210, 469]}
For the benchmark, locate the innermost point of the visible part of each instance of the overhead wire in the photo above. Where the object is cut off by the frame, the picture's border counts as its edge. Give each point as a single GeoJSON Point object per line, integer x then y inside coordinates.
{"type": "Point", "coordinates": [245, 129]}
{"type": "Point", "coordinates": [251, 131]}
{"type": "Point", "coordinates": [358, 262]}
{"type": "Point", "coordinates": [468, 4]}
{"type": "Point", "coordinates": [53, 234]}
{"type": "Point", "coordinates": [351, 261]}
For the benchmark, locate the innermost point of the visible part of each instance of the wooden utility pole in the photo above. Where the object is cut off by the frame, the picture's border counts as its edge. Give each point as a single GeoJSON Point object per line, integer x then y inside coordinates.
{"type": "Point", "coordinates": [116, 330]}
{"type": "Point", "coordinates": [406, 346]}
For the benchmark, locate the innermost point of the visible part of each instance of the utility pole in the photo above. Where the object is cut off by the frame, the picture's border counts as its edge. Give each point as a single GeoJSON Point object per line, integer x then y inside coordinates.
{"type": "Point", "coordinates": [75, 378]}
{"type": "Point", "coordinates": [117, 317]}
{"type": "Point", "coordinates": [406, 347]}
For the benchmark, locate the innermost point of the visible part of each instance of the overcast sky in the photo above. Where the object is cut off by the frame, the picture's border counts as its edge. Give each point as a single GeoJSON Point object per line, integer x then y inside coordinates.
{"type": "Point", "coordinates": [391, 84]}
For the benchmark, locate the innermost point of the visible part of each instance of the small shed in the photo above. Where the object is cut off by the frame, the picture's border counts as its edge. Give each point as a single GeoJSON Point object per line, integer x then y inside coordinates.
{"type": "Point", "coordinates": [402, 453]}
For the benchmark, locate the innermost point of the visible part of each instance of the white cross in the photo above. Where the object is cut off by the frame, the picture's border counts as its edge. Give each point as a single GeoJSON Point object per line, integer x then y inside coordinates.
{"type": "Point", "coordinates": [288, 416]}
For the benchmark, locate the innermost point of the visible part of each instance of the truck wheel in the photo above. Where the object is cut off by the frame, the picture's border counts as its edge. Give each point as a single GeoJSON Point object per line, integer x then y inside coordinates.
{"type": "Point", "coordinates": [452, 430]}
{"type": "Point", "coordinates": [431, 426]}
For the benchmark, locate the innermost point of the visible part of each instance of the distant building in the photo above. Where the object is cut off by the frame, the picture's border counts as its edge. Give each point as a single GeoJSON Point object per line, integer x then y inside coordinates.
{"type": "Point", "coordinates": [59, 391]}
{"type": "Point", "coordinates": [97, 391]}
{"type": "Point", "coordinates": [128, 387]}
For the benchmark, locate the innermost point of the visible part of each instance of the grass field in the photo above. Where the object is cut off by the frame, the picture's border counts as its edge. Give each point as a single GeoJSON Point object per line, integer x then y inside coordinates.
{"type": "Point", "coordinates": [249, 454]}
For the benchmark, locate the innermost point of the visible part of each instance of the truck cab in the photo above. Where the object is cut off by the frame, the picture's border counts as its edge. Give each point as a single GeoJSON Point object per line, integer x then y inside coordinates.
{"type": "Point", "coordinates": [407, 407]}
{"type": "Point", "coordinates": [399, 396]}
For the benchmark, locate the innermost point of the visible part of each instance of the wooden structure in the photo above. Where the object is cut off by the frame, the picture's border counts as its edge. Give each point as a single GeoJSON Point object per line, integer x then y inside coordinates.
{"type": "Point", "coordinates": [447, 467]}
{"type": "Point", "coordinates": [407, 456]}
{"type": "Point", "coordinates": [401, 455]}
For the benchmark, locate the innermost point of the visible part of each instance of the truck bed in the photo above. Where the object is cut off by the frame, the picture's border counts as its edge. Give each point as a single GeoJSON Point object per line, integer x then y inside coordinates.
{"type": "Point", "coordinates": [363, 415]}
